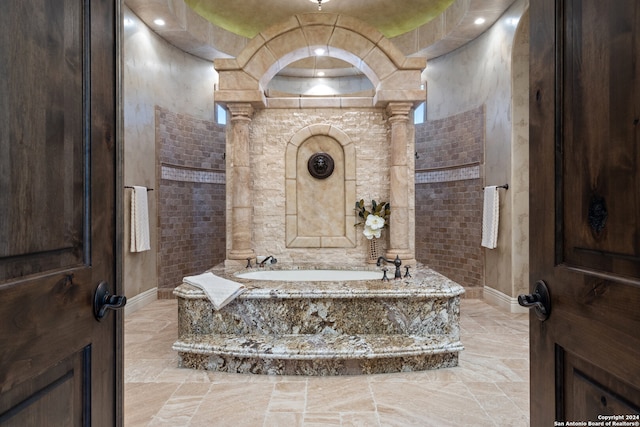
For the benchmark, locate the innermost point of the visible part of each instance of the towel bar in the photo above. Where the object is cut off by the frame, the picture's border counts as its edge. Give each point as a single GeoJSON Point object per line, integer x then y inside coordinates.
{"type": "Point", "coordinates": [128, 186]}
{"type": "Point", "coordinates": [505, 186]}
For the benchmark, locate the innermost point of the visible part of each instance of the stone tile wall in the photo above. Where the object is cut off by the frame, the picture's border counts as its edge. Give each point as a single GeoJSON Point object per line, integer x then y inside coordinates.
{"type": "Point", "coordinates": [191, 197]}
{"type": "Point", "coordinates": [271, 131]}
{"type": "Point", "coordinates": [449, 196]}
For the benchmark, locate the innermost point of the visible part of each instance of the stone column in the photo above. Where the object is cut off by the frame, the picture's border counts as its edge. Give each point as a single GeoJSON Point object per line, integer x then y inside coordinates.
{"type": "Point", "coordinates": [399, 184]}
{"type": "Point", "coordinates": [241, 224]}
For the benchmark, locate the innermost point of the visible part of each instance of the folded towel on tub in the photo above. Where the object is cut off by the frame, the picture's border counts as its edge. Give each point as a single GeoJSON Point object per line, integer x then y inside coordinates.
{"type": "Point", "coordinates": [219, 291]}
{"type": "Point", "coordinates": [140, 240]}
{"type": "Point", "coordinates": [490, 217]}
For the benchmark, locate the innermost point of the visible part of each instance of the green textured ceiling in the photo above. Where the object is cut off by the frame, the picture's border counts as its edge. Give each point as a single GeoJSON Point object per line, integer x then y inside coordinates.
{"type": "Point", "coordinates": [248, 17]}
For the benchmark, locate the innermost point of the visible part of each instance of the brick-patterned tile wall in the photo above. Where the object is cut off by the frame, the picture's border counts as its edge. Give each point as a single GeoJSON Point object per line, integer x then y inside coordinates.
{"type": "Point", "coordinates": [449, 196]}
{"type": "Point", "coordinates": [452, 141]}
{"type": "Point", "coordinates": [191, 199]}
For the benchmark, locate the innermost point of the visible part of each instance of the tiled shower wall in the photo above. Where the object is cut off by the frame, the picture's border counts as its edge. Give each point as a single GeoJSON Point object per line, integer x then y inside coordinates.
{"type": "Point", "coordinates": [449, 195]}
{"type": "Point", "coordinates": [191, 197]}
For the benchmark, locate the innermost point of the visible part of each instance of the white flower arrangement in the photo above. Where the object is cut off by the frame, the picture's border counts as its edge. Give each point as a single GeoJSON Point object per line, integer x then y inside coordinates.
{"type": "Point", "coordinates": [375, 219]}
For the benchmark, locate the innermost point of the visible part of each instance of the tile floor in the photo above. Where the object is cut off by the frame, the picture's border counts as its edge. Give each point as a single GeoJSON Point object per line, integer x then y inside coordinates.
{"type": "Point", "coordinates": [490, 387]}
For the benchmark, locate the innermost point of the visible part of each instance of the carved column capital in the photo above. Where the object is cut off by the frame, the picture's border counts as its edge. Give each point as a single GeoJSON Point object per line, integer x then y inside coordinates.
{"type": "Point", "coordinates": [399, 110]}
{"type": "Point", "coordinates": [240, 110]}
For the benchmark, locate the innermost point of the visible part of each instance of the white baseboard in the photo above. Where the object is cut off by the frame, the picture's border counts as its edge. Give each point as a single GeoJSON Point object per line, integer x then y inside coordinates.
{"type": "Point", "coordinates": [502, 301]}
{"type": "Point", "coordinates": [137, 302]}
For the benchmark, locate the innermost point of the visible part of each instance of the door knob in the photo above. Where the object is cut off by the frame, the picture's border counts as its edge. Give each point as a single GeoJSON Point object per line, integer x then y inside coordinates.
{"type": "Point", "coordinates": [539, 300]}
{"type": "Point", "coordinates": [103, 301]}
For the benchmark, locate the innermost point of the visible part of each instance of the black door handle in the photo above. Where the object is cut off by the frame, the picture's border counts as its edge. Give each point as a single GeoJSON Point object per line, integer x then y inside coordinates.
{"type": "Point", "coordinates": [539, 300]}
{"type": "Point", "coordinates": [103, 301]}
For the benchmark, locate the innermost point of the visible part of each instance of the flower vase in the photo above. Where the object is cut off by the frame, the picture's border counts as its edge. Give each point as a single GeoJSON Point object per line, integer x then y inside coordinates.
{"type": "Point", "coordinates": [373, 251]}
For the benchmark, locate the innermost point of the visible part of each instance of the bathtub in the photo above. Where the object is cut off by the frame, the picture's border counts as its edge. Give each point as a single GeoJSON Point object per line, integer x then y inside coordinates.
{"type": "Point", "coordinates": [310, 275]}
{"type": "Point", "coordinates": [295, 320]}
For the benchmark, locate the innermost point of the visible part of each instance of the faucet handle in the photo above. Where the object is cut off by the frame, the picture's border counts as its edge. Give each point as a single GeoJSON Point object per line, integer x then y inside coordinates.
{"type": "Point", "coordinates": [248, 263]}
{"type": "Point", "coordinates": [384, 274]}
{"type": "Point", "coordinates": [406, 271]}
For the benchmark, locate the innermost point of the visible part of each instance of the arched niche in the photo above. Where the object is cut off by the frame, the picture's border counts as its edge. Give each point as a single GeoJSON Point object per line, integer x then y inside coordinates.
{"type": "Point", "coordinates": [329, 222]}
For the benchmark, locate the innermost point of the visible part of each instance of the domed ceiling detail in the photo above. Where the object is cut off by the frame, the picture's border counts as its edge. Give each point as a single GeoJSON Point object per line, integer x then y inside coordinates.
{"type": "Point", "coordinates": [428, 28]}
{"type": "Point", "coordinates": [250, 17]}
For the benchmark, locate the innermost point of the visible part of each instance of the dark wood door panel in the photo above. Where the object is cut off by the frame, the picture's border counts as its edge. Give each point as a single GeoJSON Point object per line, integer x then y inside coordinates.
{"type": "Point", "coordinates": [600, 117]}
{"type": "Point", "coordinates": [602, 338]}
{"type": "Point", "coordinates": [585, 208]}
{"type": "Point", "coordinates": [42, 136]}
{"type": "Point", "coordinates": [591, 392]}
{"type": "Point", "coordinates": [601, 306]}
{"type": "Point", "coordinates": [58, 234]}
{"type": "Point", "coordinates": [60, 396]}
{"type": "Point", "coordinates": [30, 310]}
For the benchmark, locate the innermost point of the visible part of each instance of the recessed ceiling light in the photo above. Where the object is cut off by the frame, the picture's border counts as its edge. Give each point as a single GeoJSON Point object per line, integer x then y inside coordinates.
{"type": "Point", "coordinates": [320, 74]}
{"type": "Point", "coordinates": [479, 21]}
{"type": "Point", "coordinates": [319, 51]}
{"type": "Point", "coordinates": [158, 21]}
{"type": "Point", "coordinates": [319, 3]}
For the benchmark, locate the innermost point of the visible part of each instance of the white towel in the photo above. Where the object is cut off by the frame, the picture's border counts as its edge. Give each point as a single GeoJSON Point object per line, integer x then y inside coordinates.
{"type": "Point", "coordinates": [490, 217]}
{"type": "Point", "coordinates": [140, 240]}
{"type": "Point", "coordinates": [220, 291]}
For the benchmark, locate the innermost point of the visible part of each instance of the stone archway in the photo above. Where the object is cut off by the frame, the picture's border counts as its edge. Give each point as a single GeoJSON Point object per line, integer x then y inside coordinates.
{"type": "Point", "coordinates": [398, 87]}
{"type": "Point", "coordinates": [394, 76]}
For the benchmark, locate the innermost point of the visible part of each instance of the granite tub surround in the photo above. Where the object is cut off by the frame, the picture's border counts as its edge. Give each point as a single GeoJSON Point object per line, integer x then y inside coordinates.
{"type": "Point", "coordinates": [322, 328]}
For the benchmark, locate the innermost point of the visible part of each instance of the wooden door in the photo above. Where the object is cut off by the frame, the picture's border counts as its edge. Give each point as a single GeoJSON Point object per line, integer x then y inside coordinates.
{"type": "Point", "coordinates": [585, 209]}
{"type": "Point", "coordinates": [59, 366]}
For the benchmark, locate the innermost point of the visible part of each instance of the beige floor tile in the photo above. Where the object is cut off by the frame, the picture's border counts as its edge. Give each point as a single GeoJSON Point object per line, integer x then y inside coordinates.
{"type": "Point", "coordinates": [284, 419]}
{"type": "Point", "coordinates": [288, 397]}
{"type": "Point", "coordinates": [445, 374]}
{"type": "Point", "coordinates": [518, 393]}
{"type": "Point", "coordinates": [149, 346]}
{"type": "Point", "coordinates": [322, 419]}
{"type": "Point", "coordinates": [503, 411]}
{"type": "Point", "coordinates": [521, 364]}
{"type": "Point", "coordinates": [484, 388]}
{"type": "Point", "coordinates": [339, 394]}
{"type": "Point", "coordinates": [144, 400]}
{"type": "Point", "coordinates": [172, 373]}
{"type": "Point", "coordinates": [144, 370]}
{"type": "Point", "coordinates": [396, 416]}
{"type": "Point", "coordinates": [495, 345]}
{"type": "Point", "coordinates": [359, 419]}
{"type": "Point", "coordinates": [229, 404]}
{"type": "Point", "coordinates": [490, 387]}
{"type": "Point", "coordinates": [181, 406]}
{"type": "Point", "coordinates": [485, 369]}
{"type": "Point", "coordinates": [429, 404]}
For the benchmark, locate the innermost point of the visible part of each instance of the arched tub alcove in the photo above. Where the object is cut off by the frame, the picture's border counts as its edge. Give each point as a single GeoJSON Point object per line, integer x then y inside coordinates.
{"type": "Point", "coordinates": [377, 126]}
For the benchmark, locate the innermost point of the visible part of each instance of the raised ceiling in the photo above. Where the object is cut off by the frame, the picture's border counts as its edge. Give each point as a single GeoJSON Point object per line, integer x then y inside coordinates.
{"type": "Point", "coordinates": [249, 17]}
{"type": "Point", "coordinates": [428, 28]}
